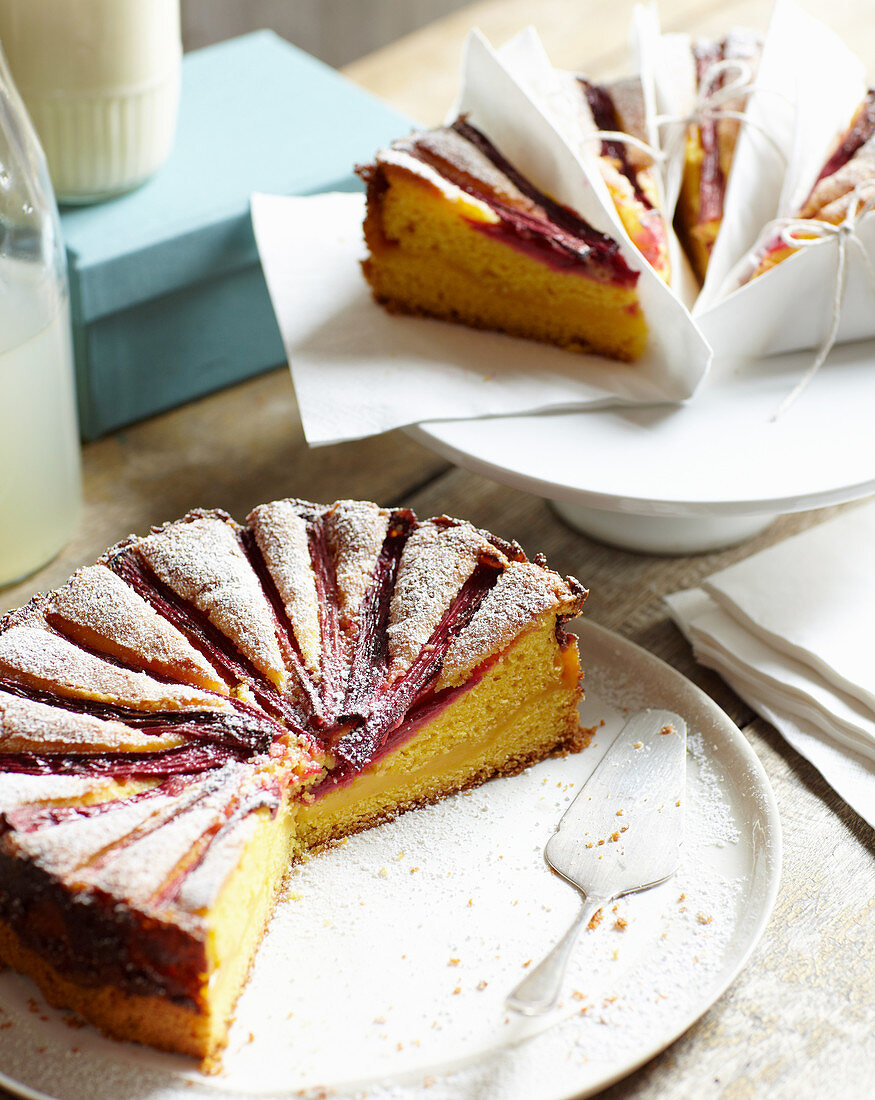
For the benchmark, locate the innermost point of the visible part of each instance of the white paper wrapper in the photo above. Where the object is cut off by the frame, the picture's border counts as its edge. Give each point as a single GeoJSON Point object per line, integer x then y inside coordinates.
{"type": "Point", "coordinates": [790, 307]}
{"type": "Point", "coordinates": [765, 144]}
{"type": "Point", "coordinates": [558, 96]}
{"type": "Point", "coordinates": [359, 371]}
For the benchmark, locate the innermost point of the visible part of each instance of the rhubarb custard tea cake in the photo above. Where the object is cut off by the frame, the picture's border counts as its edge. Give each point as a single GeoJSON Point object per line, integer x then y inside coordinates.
{"type": "Point", "coordinates": [455, 231]}
{"type": "Point", "coordinates": [205, 704]}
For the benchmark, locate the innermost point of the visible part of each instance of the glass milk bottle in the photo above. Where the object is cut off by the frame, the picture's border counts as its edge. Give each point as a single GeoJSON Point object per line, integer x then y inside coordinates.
{"type": "Point", "coordinates": [101, 80]}
{"type": "Point", "coordinates": [39, 441]}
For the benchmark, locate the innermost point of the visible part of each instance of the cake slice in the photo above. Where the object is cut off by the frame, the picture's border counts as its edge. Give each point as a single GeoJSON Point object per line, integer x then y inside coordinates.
{"type": "Point", "coordinates": [710, 144]}
{"type": "Point", "coordinates": [209, 702]}
{"type": "Point", "coordinates": [629, 171]}
{"type": "Point", "coordinates": [455, 231]}
{"type": "Point", "coordinates": [849, 170]}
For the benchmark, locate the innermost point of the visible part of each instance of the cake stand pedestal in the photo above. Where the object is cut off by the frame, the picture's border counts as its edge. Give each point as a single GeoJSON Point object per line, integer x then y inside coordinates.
{"type": "Point", "coordinates": [661, 534]}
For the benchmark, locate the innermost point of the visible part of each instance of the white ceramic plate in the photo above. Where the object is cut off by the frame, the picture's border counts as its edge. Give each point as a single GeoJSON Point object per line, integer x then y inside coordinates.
{"type": "Point", "coordinates": [389, 962]}
{"type": "Point", "coordinates": [721, 456]}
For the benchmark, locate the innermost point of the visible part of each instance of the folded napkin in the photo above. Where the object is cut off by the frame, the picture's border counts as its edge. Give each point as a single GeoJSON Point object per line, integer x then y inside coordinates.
{"type": "Point", "coordinates": [788, 629]}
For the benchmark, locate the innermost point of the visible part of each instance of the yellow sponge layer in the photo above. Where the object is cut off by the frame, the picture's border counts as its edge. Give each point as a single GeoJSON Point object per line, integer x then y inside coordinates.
{"type": "Point", "coordinates": [523, 709]}
{"type": "Point", "coordinates": [427, 258]}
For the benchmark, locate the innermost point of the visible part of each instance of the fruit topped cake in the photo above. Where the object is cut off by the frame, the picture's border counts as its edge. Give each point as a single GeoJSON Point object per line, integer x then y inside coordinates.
{"type": "Point", "coordinates": [455, 231]}
{"type": "Point", "coordinates": [849, 168]}
{"type": "Point", "coordinates": [710, 144]}
{"type": "Point", "coordinates": [204, 704]}
{"type": "Point", "coordinates": [629, 171]}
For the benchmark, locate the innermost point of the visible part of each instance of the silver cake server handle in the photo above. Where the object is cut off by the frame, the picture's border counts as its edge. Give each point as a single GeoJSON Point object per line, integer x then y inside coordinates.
{"type": "Point", "coordinates": [622, 833]}
{"type": "Point", "coordinates": [539, 991]}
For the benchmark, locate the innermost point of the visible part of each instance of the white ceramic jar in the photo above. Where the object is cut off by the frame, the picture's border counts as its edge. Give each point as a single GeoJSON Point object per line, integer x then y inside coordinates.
{"type": "Point", "coordinates": [100, 79]}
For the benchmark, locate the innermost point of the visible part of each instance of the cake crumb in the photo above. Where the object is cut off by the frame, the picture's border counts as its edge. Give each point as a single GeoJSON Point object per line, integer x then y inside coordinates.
{"type": "Point", "coordinates": [682, 897]}
{"type": "Point", "coordinates": [470, 901]}
{"type": "Point", "coordinates": [703, 918]}
{"type": "Point", "coordinates": [595, 920]}
{"type": "Point", "coordinates": [638, 745]}
{"type": "Point", "coordinates": [453, 962]}
{"type": "Point", "coordinates": [666, 729]}
{"type": "Point", "coordinates": [590, 844]}
{"type": "Point", "coordinates": [528, 962]}
{"type": "Point", "coordinates": [577, 995]}
{"type": "Point", "coordinates": [428, 1082]}
{"type": "Point", "coordinates": [619, 813]}
{"type": "Point", "coordinates": [481, 985]}
{"type": "Point", "coordinates": [615, 835]}
{"type": "Point", "coordinates": [413, 870]}
{"type": "Point", "coordinates": [621, 923]}
{"type": "Point", "coordinates": [379, 1019]}
{"type": "Point", "coordinates": [383, 873]}
{"type": "Point", "coordinates": [458, 989]}
{"type": "Point", "coordinates": [601, 841]}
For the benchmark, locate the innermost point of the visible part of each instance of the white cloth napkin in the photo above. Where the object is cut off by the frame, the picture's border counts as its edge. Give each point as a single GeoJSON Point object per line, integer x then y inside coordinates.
{"type": "Point", "coordinates": [789, 630]}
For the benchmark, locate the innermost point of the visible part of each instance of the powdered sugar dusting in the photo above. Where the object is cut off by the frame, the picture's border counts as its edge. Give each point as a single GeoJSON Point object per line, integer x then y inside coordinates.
{"type": "Point", "coordinates": [40, 657]}
{"type": "Point", "coordinates": [281, 535]}
{"type": "Point", "coordinates": [201, 888]}
{"type": "Point", "coordinates": [435, 563]}
{"type": "Point", "coordinates": [523, 592]}
{"type": "Point", "coordinates": [201, 560]}
{"type": "Point", "coordinates": [355, 531]}
{"type": "Point", "coordinates": [30, 726]}
{"type": "Point", "coordinates": [97, 599]}
{"type": "Point", "coordinates": [64, 847]}
{"type": "Point", "coordinates": [18, 789]}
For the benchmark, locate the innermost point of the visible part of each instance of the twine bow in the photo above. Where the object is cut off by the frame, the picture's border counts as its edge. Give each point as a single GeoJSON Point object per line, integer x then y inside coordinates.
{"type": "Point", "coordinates": [710, 102]}
{"type": "Point", "coordinates": [816, 233]}
{"type": "Point", "coordinates": [710, 105]}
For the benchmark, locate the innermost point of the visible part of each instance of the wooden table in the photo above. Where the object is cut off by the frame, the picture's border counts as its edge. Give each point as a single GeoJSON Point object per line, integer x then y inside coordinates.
{"type": "Point", "coordinates": [796, 1023]}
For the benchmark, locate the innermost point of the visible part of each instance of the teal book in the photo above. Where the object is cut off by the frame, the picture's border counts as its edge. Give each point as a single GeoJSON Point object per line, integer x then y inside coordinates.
{"type": "Point", "coordinates": [168, 298]}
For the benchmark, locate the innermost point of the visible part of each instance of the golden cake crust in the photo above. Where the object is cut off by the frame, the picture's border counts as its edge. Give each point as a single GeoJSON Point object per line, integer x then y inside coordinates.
{"type": "Point", "coordinates": [182, 719]}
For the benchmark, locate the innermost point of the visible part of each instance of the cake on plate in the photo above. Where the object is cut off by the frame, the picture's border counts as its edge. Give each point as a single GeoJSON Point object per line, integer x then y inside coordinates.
{"type": "Point", "coordinates": [207, 703]}
{"type": "Point", "coordinates": [710, 143]}
{"type": "Point", "coordinates": [849, 170]}
{"type": "Point", "coordinates": [455, 231]}
{"type": "Point", "coordinates": [628, 170]}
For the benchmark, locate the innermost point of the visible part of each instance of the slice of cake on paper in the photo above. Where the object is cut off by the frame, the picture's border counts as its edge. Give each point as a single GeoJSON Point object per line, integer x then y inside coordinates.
{"type": "Point", "coordinates": [455, 231]}
{"type": "Point", "coordinates": [629, 171]}
{"type": "Point", "coordinates": [847, 175]}
{"type": "Point", "coordinates": [205, 704]}
{"type": "Point", "coordinates": [710, 143]}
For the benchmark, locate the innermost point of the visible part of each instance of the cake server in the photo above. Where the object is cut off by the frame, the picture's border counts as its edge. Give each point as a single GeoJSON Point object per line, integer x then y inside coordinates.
{"type": "Point", "coordinates": [621, 834]}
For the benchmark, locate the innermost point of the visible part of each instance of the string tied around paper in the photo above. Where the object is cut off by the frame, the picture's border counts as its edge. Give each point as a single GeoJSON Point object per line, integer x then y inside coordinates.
{"type": "Point", "coordinates": [656, 155]}
{"type": "Point", "coordinates": [801, 233]}
{"type": "Point", "coordinates": [711, 104]}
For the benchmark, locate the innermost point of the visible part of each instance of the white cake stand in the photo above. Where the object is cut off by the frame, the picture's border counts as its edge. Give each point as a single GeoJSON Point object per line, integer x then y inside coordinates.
{"type": "Point", "coordinates": [679, 479]}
